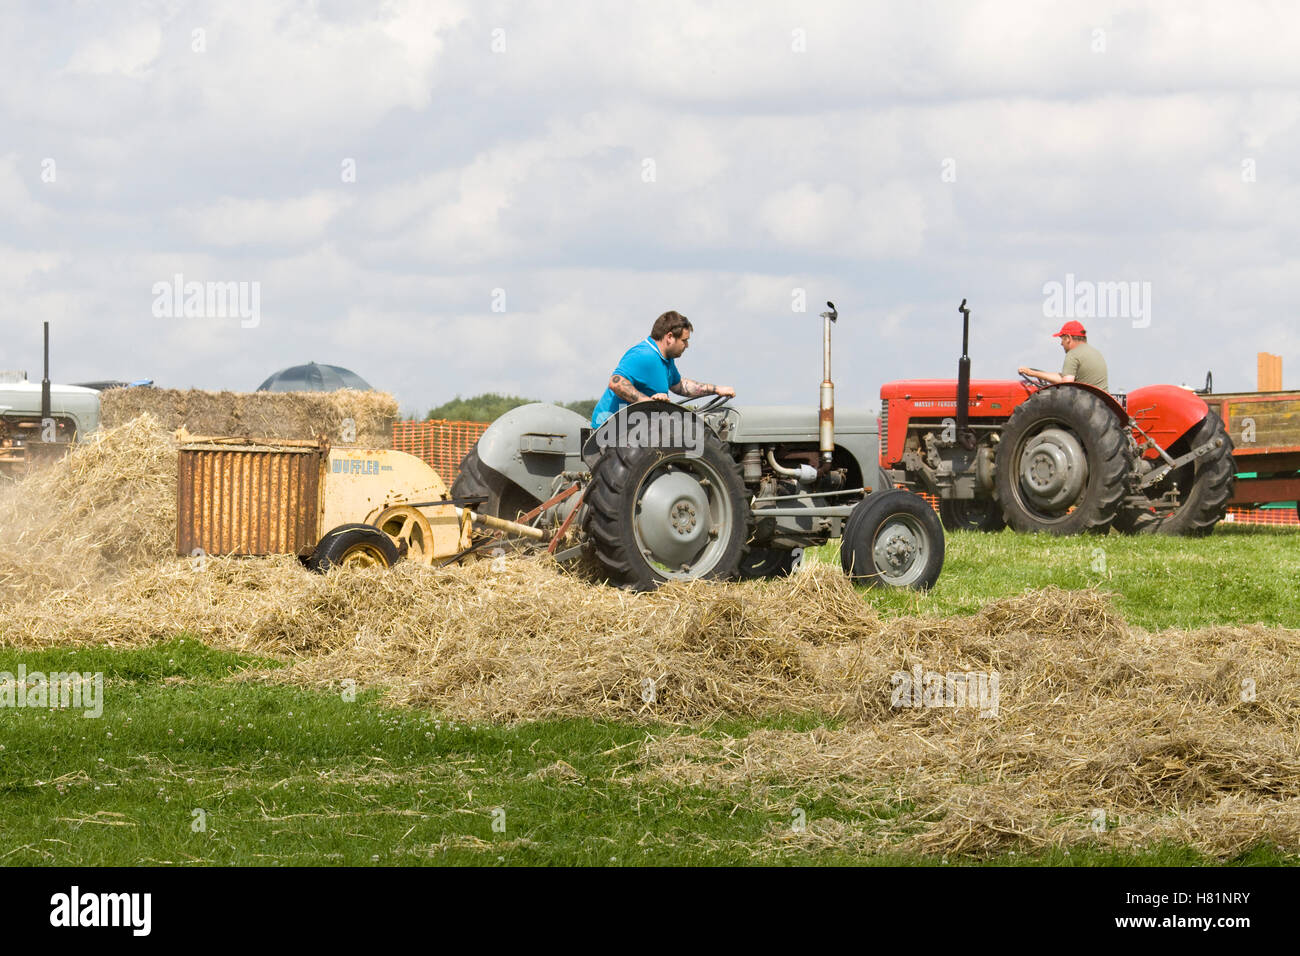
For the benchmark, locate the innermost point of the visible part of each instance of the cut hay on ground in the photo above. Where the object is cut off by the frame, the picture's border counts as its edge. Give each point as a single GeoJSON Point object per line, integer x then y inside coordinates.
{"type": "Point", "coordinates": [258, 414]}
{"type": "Point", "coordinates": [1104, 732]}
{"type": "Point", "coordinates": [108, 507]}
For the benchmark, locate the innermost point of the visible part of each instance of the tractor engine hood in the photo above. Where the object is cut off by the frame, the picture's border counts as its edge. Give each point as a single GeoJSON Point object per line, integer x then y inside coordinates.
{"type": "Point", "coordinates": [766, 423]}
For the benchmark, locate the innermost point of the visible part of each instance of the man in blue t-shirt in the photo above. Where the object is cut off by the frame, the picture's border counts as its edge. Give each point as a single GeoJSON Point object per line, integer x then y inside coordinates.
{"type": "Point", "coordinates": [647, 370]}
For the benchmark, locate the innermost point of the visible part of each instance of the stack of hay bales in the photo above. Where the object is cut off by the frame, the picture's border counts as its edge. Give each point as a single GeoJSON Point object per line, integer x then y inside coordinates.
{"type": "Point", "coordinates": [259, 414]}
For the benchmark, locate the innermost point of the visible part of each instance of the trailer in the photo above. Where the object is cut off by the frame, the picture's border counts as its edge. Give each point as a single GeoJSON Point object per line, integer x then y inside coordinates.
{"type": "Point", "coordinates": [330, 506]}
{"type": "Point", "coordinates": [1265, 429]}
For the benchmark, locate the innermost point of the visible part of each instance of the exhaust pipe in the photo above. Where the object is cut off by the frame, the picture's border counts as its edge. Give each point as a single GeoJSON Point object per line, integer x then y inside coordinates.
{"type": "Point", "coordinates": [826, 414]}
{"type": "Point", "coordinates": [45, 382]}
{"type": "Point", "coordinates": [963, 375]}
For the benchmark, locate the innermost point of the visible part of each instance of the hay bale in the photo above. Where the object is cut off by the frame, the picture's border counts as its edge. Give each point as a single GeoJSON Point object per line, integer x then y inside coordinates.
{"type": "Point", "coordinates": [258, 414]}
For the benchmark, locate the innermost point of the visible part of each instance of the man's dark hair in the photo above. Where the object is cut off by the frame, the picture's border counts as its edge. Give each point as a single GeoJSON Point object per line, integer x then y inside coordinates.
{"type": "Point", "coordinates": [670, 323]}
{"type": "Point", "coordinates": [1079, 338]}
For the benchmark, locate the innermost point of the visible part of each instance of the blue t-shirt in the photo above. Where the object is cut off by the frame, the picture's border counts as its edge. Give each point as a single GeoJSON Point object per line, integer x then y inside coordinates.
{"type": "Point", "coordinates": [645, 367]}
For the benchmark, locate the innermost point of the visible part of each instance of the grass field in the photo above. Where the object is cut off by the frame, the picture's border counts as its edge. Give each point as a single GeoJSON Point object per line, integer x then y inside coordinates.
{"type": "Point", "coordinates": [1239, 575]}
{"type": "Point", "coordinates": [189, 767]}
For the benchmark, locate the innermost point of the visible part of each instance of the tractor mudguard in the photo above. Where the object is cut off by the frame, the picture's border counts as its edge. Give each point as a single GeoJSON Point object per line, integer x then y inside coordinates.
{"type": "Point", "coordinates": [673, 426]}
{"type": "Point", "coordinates": [532, 444]}
{"type": "Point", "coordinates": [1111, 401]}
{"type": "Point", "coordinates": [1166, 413]}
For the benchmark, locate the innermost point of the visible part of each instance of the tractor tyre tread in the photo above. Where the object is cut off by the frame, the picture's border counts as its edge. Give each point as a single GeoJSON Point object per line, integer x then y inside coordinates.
{"type": "Point", "coordinates": [604, 523]}
{"type": "Point", "coordinates": [957, 518]}
{"type": "Point", "coordinates": [1107, 444]}
{"type": "Point", "coordinates": [505, 498]}
{"type": "Point", "coordinates": [1212, 488]}
{"type": "Point", "coordinates": [857, 545]}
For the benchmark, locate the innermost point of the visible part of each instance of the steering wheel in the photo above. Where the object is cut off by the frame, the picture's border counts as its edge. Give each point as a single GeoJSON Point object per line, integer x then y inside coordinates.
{"type": "Point", "coordinates": [717, 402]}
{"type": "Point", "coordinates": [1029, 381]}
{"type": "Point", "coordinates": [714, 402]}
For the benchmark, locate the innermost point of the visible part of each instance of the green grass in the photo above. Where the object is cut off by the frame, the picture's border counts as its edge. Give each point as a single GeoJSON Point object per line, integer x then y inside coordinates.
{"type": "Point", "coordinates": [291, 776]}
{"type": "Point", "coordinates": [286, 776]}
{"type": "Point", "coordinates": [1238, 575]}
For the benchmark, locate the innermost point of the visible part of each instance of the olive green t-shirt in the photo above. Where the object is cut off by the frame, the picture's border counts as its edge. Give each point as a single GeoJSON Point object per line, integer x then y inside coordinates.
{"type": "Point", "coordinates": [1086, 365]}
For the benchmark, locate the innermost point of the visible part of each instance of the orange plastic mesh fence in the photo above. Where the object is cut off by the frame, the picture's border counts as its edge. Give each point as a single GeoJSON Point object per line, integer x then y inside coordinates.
{"type": "Point", "coordinates": [1274, 516]}
{"type": "Point", "coordinates": [441, 444]}
{"type": "Point", "coordinates": [1269, 516]}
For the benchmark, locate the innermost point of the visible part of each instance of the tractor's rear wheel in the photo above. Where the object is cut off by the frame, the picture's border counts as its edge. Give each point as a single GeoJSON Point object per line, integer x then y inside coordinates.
{"type": "Point", "coordinates": [1063, 463]}
{"type": "Point", "coordinates": [505, 499]}
{"type": "Point", "coordinates": [767, 563]}
{"type": "Point", "coordinates": [658, 514]}
{"type": "Point", "coordinates": [1204, 488]}
{"type": "Point", "coordinates": [971, 514]}
{"type": "Point", "coordinates": [894, 539]}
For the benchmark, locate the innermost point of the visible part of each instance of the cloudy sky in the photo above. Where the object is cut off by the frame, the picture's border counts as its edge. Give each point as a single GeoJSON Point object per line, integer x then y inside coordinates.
{"type": "Point", "coordinates": [466, 197]}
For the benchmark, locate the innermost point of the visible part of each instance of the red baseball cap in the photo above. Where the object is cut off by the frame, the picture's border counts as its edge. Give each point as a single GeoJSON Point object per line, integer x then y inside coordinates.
{"type": "Point", "coordinates": [1071, 328]}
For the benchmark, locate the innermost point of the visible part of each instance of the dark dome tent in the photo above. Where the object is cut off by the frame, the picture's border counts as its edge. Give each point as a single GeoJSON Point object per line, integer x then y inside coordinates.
{"type": "Point", "coordinates": [314, 378]}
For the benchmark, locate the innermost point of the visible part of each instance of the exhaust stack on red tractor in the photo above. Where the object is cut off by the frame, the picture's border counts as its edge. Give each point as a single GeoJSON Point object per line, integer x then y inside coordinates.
{"type": "Point", "coordinates": [963, 377]}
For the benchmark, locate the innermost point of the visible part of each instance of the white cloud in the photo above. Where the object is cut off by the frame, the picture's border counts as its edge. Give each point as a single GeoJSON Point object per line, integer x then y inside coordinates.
{"type": "Point", "coordinates": [240, 222]}
{"type": "Point", "coordinates": [522, 170]}
{"type": "Point", "coordinates": [886, 222]}
{"type": "Point", "coordinates": [16, 200]}
{"type": "Point", "coordinates": [129, 51]}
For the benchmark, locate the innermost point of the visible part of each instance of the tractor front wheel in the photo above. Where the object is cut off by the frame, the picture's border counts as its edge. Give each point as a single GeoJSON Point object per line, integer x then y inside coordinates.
{"type": "Point", "coordinates": [893, 539]}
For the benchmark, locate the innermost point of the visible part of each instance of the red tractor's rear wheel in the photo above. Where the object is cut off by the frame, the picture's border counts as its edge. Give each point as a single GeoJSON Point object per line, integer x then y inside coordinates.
{"type": "Point", "coordinates": [1201, 488]}
{"type": "Point", "coordinates": [1063, 463]}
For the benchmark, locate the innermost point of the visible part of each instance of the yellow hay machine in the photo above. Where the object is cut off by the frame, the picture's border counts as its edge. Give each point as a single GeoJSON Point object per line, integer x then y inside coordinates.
{"type": "Point", "coordinates": [330, 506]}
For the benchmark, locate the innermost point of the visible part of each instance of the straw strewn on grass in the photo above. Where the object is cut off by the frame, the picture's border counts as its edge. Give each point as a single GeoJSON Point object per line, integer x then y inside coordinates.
{"type": "Point", "coordinates": [1157, 731]}
{"type": "Point", "coordinates": [107, 507]}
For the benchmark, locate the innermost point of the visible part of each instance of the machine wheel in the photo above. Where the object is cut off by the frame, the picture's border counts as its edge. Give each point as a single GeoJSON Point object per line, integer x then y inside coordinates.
{"type": "Point", "coordinates": [411, 530]}
{"type": "Point", "coordinates": [354, 546]}
{"type": "Point", "coordinates": [1063, 463]}
{"type": "Point", "coordinates": [1204, 488]}
{"type": "Point", "coordinates": [893, 539]}
{"type": "Point", "coordinates": [657, 514]}
{"type": "Point", "coordinates": [505, 499]}
{"type": "Point", "coordinates": [971, 514]}
{"type": "Point", "coordinates": [767, 563]}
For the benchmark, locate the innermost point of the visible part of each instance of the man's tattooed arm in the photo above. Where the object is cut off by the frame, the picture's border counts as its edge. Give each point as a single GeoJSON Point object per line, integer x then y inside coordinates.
{"type": "Point", "coordinates": [693, 389]}
{"type": "Point", "coordinates": [625, 390]}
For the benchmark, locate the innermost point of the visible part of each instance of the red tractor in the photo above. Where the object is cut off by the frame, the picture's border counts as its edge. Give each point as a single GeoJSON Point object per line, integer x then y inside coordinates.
{"type": "Point", "coordinates": [1067, 458]}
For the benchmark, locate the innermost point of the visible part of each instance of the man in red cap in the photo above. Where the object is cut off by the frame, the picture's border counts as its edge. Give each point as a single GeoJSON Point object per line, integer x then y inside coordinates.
{"type": "Point", "coordinates": [1083, 363]}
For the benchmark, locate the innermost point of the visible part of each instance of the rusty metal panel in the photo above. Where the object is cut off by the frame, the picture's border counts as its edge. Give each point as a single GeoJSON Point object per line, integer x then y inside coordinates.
{"type": "Point", "coordinates": [249, 499]}
{"type": "Point", "coordinates": [1274, 425]}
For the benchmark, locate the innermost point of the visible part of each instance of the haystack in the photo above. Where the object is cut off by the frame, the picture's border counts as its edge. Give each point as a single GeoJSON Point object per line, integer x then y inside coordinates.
{"type": "Point", "coordinates": [259, 414]}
